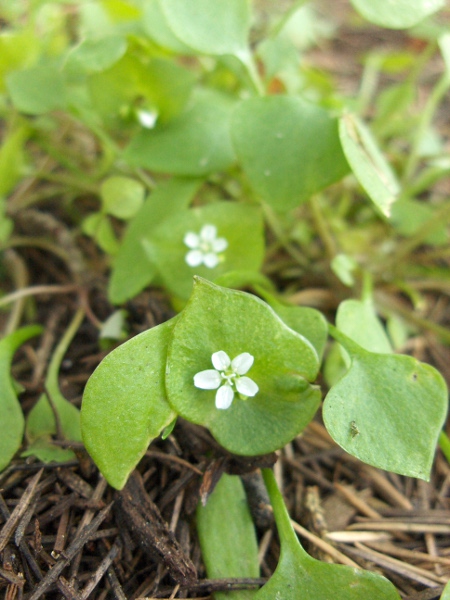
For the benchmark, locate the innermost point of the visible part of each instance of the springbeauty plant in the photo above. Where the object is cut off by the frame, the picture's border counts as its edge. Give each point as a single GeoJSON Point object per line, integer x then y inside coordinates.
{"type": "Point", "coordinates": [234, 139]}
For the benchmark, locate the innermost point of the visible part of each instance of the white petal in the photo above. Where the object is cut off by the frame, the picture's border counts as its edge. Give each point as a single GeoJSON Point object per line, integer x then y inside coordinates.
{"type": "Point", "coordinates": [224, 397]}
{"type": "Point", "coordinates": [211, 260]}
{"type": "Point", "coordinates": [191, 240]}
{"type": "Point", "coordinates": [208, 233]}
{"type": "Point", "coordinates": [207, 380]}
{"type": "Point", "coordinates": [246, 386]}
{"type": "Point", "coordinates": [220, 360]}
{"type": "Point", "coordinates": [147, 118]}
{"type": "Point", "coordinates": [194, 258]}
{"type": "Point", "coordinates": [219, 245]}
{"type": "Point", "coordinates": [242, 363]}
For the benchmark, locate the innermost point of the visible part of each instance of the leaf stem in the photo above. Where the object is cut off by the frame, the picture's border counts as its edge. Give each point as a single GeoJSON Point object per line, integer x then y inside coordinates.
{"type": "Point", "coordinates": [286, 532]}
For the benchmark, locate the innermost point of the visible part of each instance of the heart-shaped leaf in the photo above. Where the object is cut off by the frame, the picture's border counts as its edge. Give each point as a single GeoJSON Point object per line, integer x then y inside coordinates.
{"type": "Point", "coordinates": [399, 14]}
{"type": "Point", "coordinates": [368, 164]}
{"type": "Point", "coordinates": [229, 546]}
{"type": "Point", "coordinates": [240, 225]}
{"type": "Point", "coordinates": [13, 421]}
{"type": "Point", "coordinates": [124, 404]}
{"type": "Point", "coordinates": [387, 410]}
{"type": "Point", "coordinates": [289, 148]}
{"type": "Point", "coordinates": [195, 143]}
{"type": "Point", "coordinates": [219, 27]}
{"type": "Point", "coordinates": [218, 319]}
{"type": "Point", "coordinates": [298, 575]}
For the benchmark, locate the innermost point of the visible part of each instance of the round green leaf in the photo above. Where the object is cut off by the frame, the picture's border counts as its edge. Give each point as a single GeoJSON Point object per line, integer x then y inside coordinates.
{"type": "Point", "coordinates": [37, 90]}
{"type": "Point", "coordinates": [122, 197]}
{"type": "Point", "coordinates": [197, 142]}
{"type": "Point", "coordinates": [387, 410]}
{"type": "Point", "coordinates": [289, 148]}
{"type": "Point", "coordinates": [93, 55]}
{"type": "Point", "coordinates": [219, 27]}
{"type": "Point", "coordinates": [368, 164]}
{"type": "Point", "coordinates": [397, 14]}
{"type": "Point", "coordinates": [124, 404]}
{"type": "Point", "coordinates": [241, 225]}
{"type": "Point", "coordinates": [235, 322]}
{"type": "Point", "coordinates": [157, 28]}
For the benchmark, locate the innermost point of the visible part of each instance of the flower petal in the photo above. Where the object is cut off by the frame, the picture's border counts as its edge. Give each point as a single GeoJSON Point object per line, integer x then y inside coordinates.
{"type": "Point", "coordinates": [207, 380]}
{"type": "Point", "coordinates": [220, 360]}
{"type": "Point", "coordinates": [219, 245]}
{"type": "Point", "coordinates": [246, 386]}
{"type": "Point", "coordinates": [242, 363]}
{"type": "Point", "coordinates": [208, 233]}
{"type": "Point", "coordinates": [191, 240]}
{"type": "Point", "coordinates": [224, 397]}
{"type": "Point", "coordinates": [194, 258]}
{"type": "Point", "coordinates": [211, 260]}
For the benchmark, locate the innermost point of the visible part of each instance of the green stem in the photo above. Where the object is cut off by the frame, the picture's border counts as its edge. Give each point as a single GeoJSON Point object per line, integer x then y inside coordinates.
{"type": "Point", "coordinates": [281, 236]}
{"type": "Point", "coordinates": [322, 228]}
{"type": "Point", "coordinates": [444, 444]}
{"type": "Point", "coordinates": [51, 381]}
{"type": "Point", "coordinates": [246, 59]}
{"type": "Point", "coordinates": [428, 113]}
{"type": "Point", "coordinates": [286, 532]}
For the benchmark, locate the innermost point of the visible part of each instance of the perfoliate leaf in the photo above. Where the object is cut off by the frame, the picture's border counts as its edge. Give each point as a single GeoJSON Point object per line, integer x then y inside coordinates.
{"type": "Point", "coordinates": [218, 319]}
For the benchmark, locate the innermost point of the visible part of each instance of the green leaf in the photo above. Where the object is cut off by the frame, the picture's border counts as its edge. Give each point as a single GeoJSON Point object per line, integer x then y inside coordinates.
{"type": "Point", "coordinates": [12, 158]}
{"type": "Point", "coordinates": [157, 84]}
{"type": "Point", "coordinates": [409, 216]}
{"type": "Point", "coordinates": [387, 410]}
{"type": "Point", "coordinates": [240, 224]}
{"type": "Point", "coordinates": [368, 164]}
{"type": "Point", "coordinates": [132, 270]}
{"type": "Point", "coordinates": [229, 546]}
{"type": "Point", "coordinates": [397, 14]}
{"type": "Point", "coordinates": [219, 27]}
{"type": "Point", "coordinates": [289, 148]}
{"type": "Point", "coordinates": [157, 28]}
{"type": "Point", "coordinates": [446, 592]}
{"type": "Point", "coordinates": [100, 229]}
{"type": "Point", "coordinates": [217, 319]}
{"type": "Point", "coordinates": [298, 575]}
{"type": "Point", "coordinates": [37, 90]}
{"type": "Point", "coordinates": [94, 55]}
{"type": "Point", "coordinates": [194, 144]}
{"type": "Point", "coordinates": [309, 322]}
{"type": "Point", "coordinates": [124, 404]}
{"type": "Point", "coordinates": [122, 197]}
{"type": "Point", "coordinates": [10, 410]}
{"type": "Point", "coordinates": [358, 320]}
{"type": "Point", "coordinates": [18, 50]}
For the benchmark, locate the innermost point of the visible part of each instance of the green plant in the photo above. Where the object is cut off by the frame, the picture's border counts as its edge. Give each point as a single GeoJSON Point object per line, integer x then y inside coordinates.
{"type": "Point", "coordinates": [225, 183]}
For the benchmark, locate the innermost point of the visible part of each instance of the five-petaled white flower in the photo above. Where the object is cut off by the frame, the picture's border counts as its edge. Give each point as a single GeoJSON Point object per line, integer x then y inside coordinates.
{"type": "Point", "coordinates": [205, 247]}
{"type": "Point", "coordinates": [226, 378]}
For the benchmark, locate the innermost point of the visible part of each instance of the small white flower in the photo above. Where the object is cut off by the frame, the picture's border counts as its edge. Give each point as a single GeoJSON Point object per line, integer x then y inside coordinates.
{"type": "Point", "coordinates": [227, 378]}
{"type": "Point", "coordinates": [205, 247]}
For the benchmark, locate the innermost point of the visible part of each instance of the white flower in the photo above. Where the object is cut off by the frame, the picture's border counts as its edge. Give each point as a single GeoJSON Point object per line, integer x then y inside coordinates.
{"type": "Point", "coordinates": [226, 378]}
{"type": "Point", "coordinates": [205, 247]}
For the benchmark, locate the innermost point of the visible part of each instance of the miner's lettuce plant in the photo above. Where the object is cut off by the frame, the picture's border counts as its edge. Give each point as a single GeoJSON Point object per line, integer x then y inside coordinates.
{"type": "Point", "coordinates": [212, 150]}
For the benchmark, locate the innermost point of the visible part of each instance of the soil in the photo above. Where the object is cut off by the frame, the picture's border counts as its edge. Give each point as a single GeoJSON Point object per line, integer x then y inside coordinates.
{"type": "Point", "coordinates": [65, 533]}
